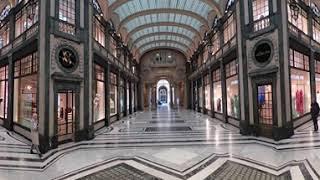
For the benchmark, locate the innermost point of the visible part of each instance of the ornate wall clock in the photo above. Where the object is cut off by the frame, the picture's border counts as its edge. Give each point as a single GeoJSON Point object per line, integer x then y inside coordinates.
{"type": "Point", "coordinates": [67, 59]}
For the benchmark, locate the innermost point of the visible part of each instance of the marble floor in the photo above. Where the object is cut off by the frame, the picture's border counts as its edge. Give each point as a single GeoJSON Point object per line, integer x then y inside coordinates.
{"type": "Point", "coordinates": [167, 144]}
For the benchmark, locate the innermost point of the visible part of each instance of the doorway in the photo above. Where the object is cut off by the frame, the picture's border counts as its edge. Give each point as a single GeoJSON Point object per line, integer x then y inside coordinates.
{"type": "Point", "coordinates": [163, 95]}
{"type": "Point", "coordinates": [66, 114]}
{"type": "Point", "coordinates": [265, 109]}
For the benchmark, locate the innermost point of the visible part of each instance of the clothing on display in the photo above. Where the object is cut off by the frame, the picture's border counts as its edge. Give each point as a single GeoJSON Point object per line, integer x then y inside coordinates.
{"type": "Point", "coordinates": [299, 102]}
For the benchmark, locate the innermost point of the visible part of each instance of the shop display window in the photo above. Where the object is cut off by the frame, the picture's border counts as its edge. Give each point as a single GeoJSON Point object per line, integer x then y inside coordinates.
{"type": "Point", "coordinates": [67, 11]}
{"type": "Point", "coordinates": [229, 28]}
{"type": "Point", "coordinates": [99, 32]}
{"type": "Point", "coordinates": [4, 35]}
{"type": "Point", "coordinates": [300, 84]}
{"type": "Point", "coordinates": [122, 94]}
{"type": "Point", "coordinates": [3, 92]}
{"type": "Point", "coordinates": [195, 94]}
{"type": "Point", "coordinates": [128, 96]}
{"type": "Point", "coordinates": [217, 91]}
{"type": "Point", "coordinates": [301, 22]}
{"type": "Point", "coordinates": [316, 30]}
{"type": "Point", "coordinates": [113, 94]}
{"type": "Point", "coordinates": [207, 92]}
{"type": "Point", "coordinates": [232, 84]}
{"type": "Point", "coordinates": [27, 17]}
{"type": "Point", "coordinates": [317, 70]}
{"type": "Point", "coordinates": [260, 9]}
{"type": "Point", "coordinates": [25, 89]}
{"type": "Point", "coordinates": [215, 43]}
{"type": "Point", "coordinates": [133, 96]}
{"type": "Point", "coordinates": [99, 96]}
{"type": "Point", "coordinates": [200, 95]}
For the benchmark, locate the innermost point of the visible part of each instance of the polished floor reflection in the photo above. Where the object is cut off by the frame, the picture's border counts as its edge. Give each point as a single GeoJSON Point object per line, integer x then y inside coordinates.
{"type": "Point", "coordinates": [167, 144]}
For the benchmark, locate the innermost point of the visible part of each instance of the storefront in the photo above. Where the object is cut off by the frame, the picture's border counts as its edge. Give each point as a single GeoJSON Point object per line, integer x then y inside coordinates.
{"type": "Point", "coordinates": [300, 84]}
{"type": "Point", "coordinates": [232, 89]}
{"type": "Point", "coordinates": [113, 86]}
{"type": "Point", "coordinates": [217, 94]}
{"type": "Point", "coordinates": [207, 93]}
{"type": "Point", "coordinates": [99, 105]}
{"type": "Point", "coordinates": [25, 94]}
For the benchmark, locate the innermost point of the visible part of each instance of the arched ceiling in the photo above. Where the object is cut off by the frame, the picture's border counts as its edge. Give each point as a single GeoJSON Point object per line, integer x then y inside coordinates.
{"type": "Point", "coordinates": [152, 24]}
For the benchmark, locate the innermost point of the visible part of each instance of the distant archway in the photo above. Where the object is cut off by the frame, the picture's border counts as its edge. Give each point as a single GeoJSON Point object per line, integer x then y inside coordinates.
{"type": "Point", "coordinates": [163, 92]}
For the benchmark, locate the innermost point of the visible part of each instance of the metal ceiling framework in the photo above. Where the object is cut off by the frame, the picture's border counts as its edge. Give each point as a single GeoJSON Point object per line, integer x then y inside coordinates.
{"type": "Point", "coordinates": [145, 22]}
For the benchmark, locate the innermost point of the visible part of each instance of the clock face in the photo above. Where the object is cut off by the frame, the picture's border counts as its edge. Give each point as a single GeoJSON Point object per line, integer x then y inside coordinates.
{"type": "Point", "coordinates": [67, 58]}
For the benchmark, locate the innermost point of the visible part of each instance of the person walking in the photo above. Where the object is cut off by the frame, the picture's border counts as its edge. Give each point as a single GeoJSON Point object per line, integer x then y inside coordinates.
{"type": "Point", "coordinates": [35, 135]}
{"type": "Point", "coordinates": [314, 114]}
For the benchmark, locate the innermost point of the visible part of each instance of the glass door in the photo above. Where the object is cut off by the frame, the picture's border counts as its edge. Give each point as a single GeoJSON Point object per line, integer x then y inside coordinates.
{"type": "Point", "coordinates": [265, 109]}
{"type": "Point", "coordinates": [66, 114]}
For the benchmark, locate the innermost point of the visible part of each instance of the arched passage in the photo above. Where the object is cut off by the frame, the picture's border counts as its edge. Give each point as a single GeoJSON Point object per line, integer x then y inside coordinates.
{"type": "Point", "coordinates": [163, 92]}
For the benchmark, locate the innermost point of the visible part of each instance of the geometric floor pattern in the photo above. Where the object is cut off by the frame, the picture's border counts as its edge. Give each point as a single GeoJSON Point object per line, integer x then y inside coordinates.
{"type": "Point", "coordinates": [234, 171]}
{"type": "Point", "coordinates": [167, 144]}
{"type": "Point", "coordinates": [119, 172]}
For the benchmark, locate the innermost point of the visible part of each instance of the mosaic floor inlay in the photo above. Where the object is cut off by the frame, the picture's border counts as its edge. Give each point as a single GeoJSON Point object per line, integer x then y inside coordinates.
{"type": "Point", "coordinates": [120, 172]}
{"type": "Point", "coordinates": [165, 129]}
{"type": "Point", "coordinates": [235, 171]}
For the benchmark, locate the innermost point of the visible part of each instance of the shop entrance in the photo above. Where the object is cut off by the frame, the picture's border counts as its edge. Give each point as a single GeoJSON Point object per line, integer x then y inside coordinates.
{"type": "Point", "coordinates": [66, 114]}
{"type": "Point", "coordinates": [265, 109]}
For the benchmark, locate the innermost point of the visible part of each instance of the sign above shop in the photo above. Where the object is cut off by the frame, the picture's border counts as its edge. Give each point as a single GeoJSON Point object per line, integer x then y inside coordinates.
{"type": "Point", "coordinates": [263, 52]}
{"type": "Point", "coordinates": [67, 58]}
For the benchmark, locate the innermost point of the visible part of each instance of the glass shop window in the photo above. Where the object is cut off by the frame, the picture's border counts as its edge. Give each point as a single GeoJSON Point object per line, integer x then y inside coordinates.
{"type": "Point", "coordinates": [25, 89]}
{"type": "Point", "coordinates": [301, 22]}
{"type": "Point", "coordinates": [200, 94]}
{"type": "Point", "coordinates": [27, 17]}
{"type": "Point", "coordinates": [67, 11]}
{"type": "Point", "coordinates": [232, 84]}
{"type": "Point", "coordinates": [207, 94]}
{"type": "Point", "coordinates": [260, 10]}
{"type": "Point", "coordinates": [113, 94]}
{"type": "Point", "coordinates": [99, 32]}
{"type": "Point", "coordinates": [128, 96]}
{"type": "Point", "coordinates": [3, 92]}
{"type": "Point", "coordinates": [229, 28]}
{"type": "Point", "coordinates": [4, 35]}
{"type": "Point", "coordinates": [317, 70]}
{"type": "Point", "coordinates": [217, 91]}
{"type": "Point", "coordinates": [99, 96]}
{"type": "Point", "coordinates": [300, 83]}
{"type": "Point", "coordinates": [215, 43]}
{"type": "Point", "coordinates": [316, 30]}
{"type": "Point", "coordinates": [122, 94]}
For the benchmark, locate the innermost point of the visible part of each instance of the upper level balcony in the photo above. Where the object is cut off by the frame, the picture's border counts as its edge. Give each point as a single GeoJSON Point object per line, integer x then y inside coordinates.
{"type": "Point", "coordinates": [18, 26]}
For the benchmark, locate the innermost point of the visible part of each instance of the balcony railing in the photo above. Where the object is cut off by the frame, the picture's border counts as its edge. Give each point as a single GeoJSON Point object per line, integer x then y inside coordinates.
{"type": "Point", "coordinates": [65, 27]}
{"type": "Point", "coordinates": [300, 35]}
{"type": "Point", "coordinates": [108, 55]}
{"type": "Point", "coordinates": [261, 24]}
{"type": "Point", "coordinates": [215, 57]}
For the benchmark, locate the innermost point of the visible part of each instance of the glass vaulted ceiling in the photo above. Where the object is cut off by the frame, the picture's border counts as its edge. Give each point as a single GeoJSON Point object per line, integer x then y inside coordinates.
{"type": "Point", "coordinates": [162, 23]}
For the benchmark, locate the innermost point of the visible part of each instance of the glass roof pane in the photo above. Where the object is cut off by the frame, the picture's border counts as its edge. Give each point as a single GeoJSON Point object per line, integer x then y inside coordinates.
{"type": "Point", "coordinates": [148, 47]}
{"type": "Point", "coordinates": [134, 6]}
{"type": "Point", "coordinates": [182, 19]}
{"type": "Point", "coordinates": [162, 29]}
{"type": "Point", "coordinates": [163, 38]}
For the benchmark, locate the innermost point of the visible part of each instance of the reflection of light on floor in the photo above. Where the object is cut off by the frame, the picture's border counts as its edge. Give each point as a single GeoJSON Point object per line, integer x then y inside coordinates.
{"type": "Point", "coordinates": [311, 133]}
{"type": "Point", "coordinates": [230, 145]}
{"type": "Point", "coordinates": [217, 138]}
{"type": "Point", "coordinates": [207, 129]}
